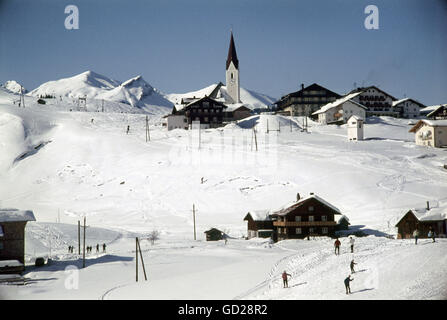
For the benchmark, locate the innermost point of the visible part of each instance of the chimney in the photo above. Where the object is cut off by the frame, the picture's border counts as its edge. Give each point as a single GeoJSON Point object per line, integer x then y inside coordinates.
{"type": "Point", "coordinates": [298, 197]}
{"type": "Point", "coordinates": [311, 193]}
{"type": "Point", "coordinates": [428, 205]}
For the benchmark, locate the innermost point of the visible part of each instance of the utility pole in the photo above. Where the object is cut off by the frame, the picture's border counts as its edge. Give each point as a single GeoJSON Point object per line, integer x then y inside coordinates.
{"type": "Point", "coordinates": [142, 261]}
{"type": "Point", "coordinates": [83, 251]}
{"type": "Point", "coordinates": [102, 108]}
{"type": "Point", "coordinates": [194, 219]}
{"type": "Point", "coordinates": [148, 136]}
{"type": "Point", "coordinates": [79, 237]}
{"type": "Point", "coordinates": [279, 126]}
{"type": "Point", "coordinates": [256, 140]}
{"type": "Point", "coordinates": [136, 258]}
{"type": "Point", "coordinates": [267, 125]}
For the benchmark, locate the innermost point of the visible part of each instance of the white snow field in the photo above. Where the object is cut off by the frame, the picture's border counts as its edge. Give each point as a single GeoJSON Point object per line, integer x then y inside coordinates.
{"type": "Point", "coordinates": [64, 166]}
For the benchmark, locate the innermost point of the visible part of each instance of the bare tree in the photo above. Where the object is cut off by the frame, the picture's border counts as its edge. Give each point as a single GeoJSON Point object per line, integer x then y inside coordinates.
{"type": "Point", "coordinates": [153, 236]}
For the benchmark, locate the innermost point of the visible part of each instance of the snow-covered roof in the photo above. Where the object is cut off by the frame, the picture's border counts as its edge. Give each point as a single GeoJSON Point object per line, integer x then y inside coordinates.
{"type": "Point", "coordinates": [431, 123]}
{"type": "Point", "coordinates": [291, 206]}
{"type": "Point", "coordinates": [434, 107]}
{"type": "Point", "coordinates": [14, 215]}
{"type": "Point", "coordinates": [395, 103]}
{"type": "Point", "coordinates": [340, 101]}
{"type": "Point", "coordinates": [435, 110]}
{"type": "Point", "coordinates": [234, 106]}
{"type": "Point", "coordinates": [260, 215]}
{"type": "Point", "coordinates": [433, 214]}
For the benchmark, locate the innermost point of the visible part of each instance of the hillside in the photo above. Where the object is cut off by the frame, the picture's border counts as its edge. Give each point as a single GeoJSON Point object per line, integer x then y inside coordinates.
{"type": "Point", "coordinates": [64, 166]}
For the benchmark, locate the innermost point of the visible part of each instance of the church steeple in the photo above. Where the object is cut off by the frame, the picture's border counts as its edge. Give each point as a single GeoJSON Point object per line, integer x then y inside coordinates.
{"type": "Point", "coordinates": [232, 56]}
{"type": "Point", "coordinates": [232, 74]}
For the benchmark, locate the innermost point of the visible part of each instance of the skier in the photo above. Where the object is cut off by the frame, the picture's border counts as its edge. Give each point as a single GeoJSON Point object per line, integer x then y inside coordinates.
{"type": "Point", "coordinates": [347, 280]}
{"type": "Point", "coordinates": [284, 279]}
{"type": "Point", "coordinates": [97, 247]}
{"type": "Point", "coordinates": [416, 236]}
{"type": "Point", "coordinates": [103, 247]}
{"type": "Point", "coordinates": [352, 266]}
{"type": "Point", "coordinates": [128, 129]}
{"type": "Point", "coordinates": [337, 246]}
{"type": "Point", "coordinates": [351, 241]}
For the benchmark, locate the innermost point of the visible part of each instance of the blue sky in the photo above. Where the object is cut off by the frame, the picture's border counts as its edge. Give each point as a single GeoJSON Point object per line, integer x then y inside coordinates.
{"type": "Point", "coordinates": [181, 45]}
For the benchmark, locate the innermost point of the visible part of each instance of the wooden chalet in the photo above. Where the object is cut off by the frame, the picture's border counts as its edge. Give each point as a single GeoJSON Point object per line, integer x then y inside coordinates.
{"type": "Point", "coordinates": [12, 239]}
{"type": "Point", "coordinates": [236, 112]}
{"type": "Point", "coordinates": [208, 111]}
{"type": "Point", "coordinates": [306, 101]}
{"type": "Point", "coordinates": [422, 220]}
{"type": "Point", "coordinates": [440, 113]}
{"type": "Point", "coordinates": [310, 216]}
{"type": "Point", "coordinates": [214, 234]}
{"type": "Point", "coordinates": [259, 224]}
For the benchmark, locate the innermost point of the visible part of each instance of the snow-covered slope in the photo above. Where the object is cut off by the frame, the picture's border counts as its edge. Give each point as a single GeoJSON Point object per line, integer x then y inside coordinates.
{"type": "Point", "coordinates": [14, 86]}
{"type": "Point", "coordinates": [135, 92]}
{"type": "Point", "coordinates": [251, 99]}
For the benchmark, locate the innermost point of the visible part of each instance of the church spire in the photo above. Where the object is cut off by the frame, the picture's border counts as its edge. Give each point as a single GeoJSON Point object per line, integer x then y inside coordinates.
{"type": "Point", "coordinates": [232, 56]}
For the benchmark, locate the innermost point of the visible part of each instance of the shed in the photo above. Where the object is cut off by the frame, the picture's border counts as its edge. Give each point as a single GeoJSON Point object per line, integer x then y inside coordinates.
{"type": "Point", "coordinates": [355, 128]}
{"type": "Point", "coordinates": [12, 239]}
{"type": "Point", "coordinates": [214, 234]}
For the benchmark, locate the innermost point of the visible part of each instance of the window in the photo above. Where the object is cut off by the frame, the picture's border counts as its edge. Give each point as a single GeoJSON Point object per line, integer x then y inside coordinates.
{"type": "Point", "coordinates": [311, 208]}
{"type": "Point", "coordinates": [1, 231]}
{"type": "Point", "coordinates": [311, 219]}
{"type": "Point", "coordinates": [323, 218]}
{"type": "Point", "coordinates": [311, 230]}
{"type": "Point", "coordinates": [298, 231]}
{"type": "Point", "coordinates": [232, 75]}
{"type": "Point", "coordinates": [1, 245]}
{"type": "Point", "coordinates": [324, 230]}
{"type": "Point", "coordinates": [298, 218]}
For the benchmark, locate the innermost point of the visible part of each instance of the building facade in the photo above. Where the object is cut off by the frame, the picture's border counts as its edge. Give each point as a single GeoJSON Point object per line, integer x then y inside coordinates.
{"type": "Point", "coordinates": [408, 108]}
{"type": "Point", "coordinates": [423, 221]}
{"type": "Point", "coordinates": [259, 224]}
{"type": "Point", "coordinates": [431, 133]}
{"type": "Point", "coordinates": [306, 101]}
{"type": "Point", "coordinates": [339, 111]}
{"type": "Point", "coordinates": [377, 102]}
{"type": "Point", "coordinates": [311, 216]}
{"type": "Point", "coordinates": [208, 111]}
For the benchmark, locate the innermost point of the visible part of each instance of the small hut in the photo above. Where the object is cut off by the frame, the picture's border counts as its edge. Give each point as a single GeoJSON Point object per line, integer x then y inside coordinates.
{"type": "Point", "coordinates": [259, 224]}
{"type": "Point", "coordinates": [214, 235]}
{"type": "Point", "coordinates": [12, 239]}
{"type": "Point", "coordinates": [355, 128]}
{"type": "Point", "coordinates": [423, 220]}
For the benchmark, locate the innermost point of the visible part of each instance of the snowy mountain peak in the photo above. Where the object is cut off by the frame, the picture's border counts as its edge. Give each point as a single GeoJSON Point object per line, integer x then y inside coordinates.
{"type": "Point", "coordinates": [14, 86]}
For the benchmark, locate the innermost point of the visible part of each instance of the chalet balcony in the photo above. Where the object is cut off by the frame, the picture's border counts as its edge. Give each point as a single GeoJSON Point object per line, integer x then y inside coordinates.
{"type": "Point", "coordinates": [304, 223]}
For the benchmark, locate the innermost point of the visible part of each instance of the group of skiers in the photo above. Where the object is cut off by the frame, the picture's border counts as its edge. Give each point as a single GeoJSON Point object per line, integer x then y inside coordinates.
{"type": "Point", "coordinates": [89, 248]}
{"type": "Point", "coordinates": [347, 281]}
{"type": "Point", "coordinates": [431, 234]}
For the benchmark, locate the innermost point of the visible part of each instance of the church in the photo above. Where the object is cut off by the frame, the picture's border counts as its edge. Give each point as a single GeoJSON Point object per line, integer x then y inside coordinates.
{"type": "Point", "coordinates": [215, 107]}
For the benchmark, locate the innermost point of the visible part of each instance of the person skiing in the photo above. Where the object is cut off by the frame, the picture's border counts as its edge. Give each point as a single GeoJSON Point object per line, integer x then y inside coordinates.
{"type": "Point", "coordinates": [103, 247]}
{"type": "Point", "coordinates": [128, 129]}
{"type": "Point", "coordinates": [416, 236]}
{"type": "Point", "coordinates": [351, 241]}
{"type": "Point", "coordinates": [284, 279]}
{"type": "Point", "coordinates": [97, 247]}
{"type": "Point", "coordinates": [347, 281]}
{"type": "Point", "coordinates": [337, 244]}
{"type": "Point", "coordinates": [352, 266]}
